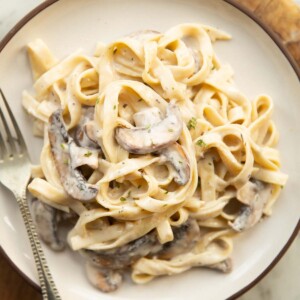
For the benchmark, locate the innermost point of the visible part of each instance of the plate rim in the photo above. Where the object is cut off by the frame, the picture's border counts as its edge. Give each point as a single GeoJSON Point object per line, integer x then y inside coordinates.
{"type": "Point", "coordinates": [247, 12]}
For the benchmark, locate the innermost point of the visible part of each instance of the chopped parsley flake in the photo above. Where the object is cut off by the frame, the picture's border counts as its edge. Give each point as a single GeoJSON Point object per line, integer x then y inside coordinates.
{"type": "Point", "coordinates": [62, 145]}
{"type": "Point", "coordinates": [88, 154]}
{"type": "Point", "coordinates": [123, 199]}
{"type": "Point", "coordinates": [129, 193]}
{"type": "Point", "coordinates": [180, 161]}
{"type": "Point", "coordinates": [98, 99]}
{"type": "Point", "coordinates": [166, 192]}
{"type": "Point", "coordinates": [201, 143]}
{"type": "Point", "coordinates": [170, 130]}
{"type": "Point", "coordinates": [66, 161]}
{"type": "Point", "coordinates": [115, 106]}
{"type": "Point", "coordinates": [192, 123]}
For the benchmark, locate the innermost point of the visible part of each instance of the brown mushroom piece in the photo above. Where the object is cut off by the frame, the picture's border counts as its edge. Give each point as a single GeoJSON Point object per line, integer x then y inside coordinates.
{"type": "Point", "coordinates": [80, 156]}
{"type": "Point", "coordinates": [254, 194]}
{"type": "Point", "coordinates": [123, 256]}
{"type": "Point", "coordinates": [174, 153]}
{"type": "Point", "coordinates": [105, 268]}
{"type": "Point", "coordinates": [84, 133]}
{"type": "Point", "coordinates": [185, 238]}
{"type": "Point", "coordinates": [152, 137]}
{"type": "Point", "coordinates": [105, 280]}
{"type": "Point", "coordinates": [71, 178]}
{"type": "Point", "coordinates": [46, 219]}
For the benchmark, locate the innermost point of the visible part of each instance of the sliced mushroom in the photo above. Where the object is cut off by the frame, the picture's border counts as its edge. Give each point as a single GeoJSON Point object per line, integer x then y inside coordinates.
{"type": "Point", "coordinates": [90, 131]}
{"type": "Point", "coordinates": [255, 196]}
{"type": "Point", "coordinates": [71, 178]}
{"type": "Point", "coordinates": [122, 257]}
{"type": "Point", "coordinates": [105, 268]}
{"type": "Point", "coordinates": [224, 266]}
{"type": "Point", "coordinates": [105, 280]}
{"type": "Point", "coordinates": [46, 219]}
{"type": "Point", "coordinates": [185, 238]}
{"type": "Point", "coordinates": [82, 156]}
{"type": "Point", "coordinates": [146, 117]}
{"type": "Point", "coordinates": [174, 153]}
{"type": "Point", "coordinates": [85, 131]}
{"type": "Point", "coordinates": [151, 138]}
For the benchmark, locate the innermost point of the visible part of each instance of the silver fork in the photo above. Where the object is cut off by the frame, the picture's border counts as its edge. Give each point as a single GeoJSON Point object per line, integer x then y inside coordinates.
{"type": "Point", "coordinates": [15, 175]}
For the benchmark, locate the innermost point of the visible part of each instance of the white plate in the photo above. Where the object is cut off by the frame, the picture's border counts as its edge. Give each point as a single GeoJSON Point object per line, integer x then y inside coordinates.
{"type": "Point", "coordinates": [260, 67]}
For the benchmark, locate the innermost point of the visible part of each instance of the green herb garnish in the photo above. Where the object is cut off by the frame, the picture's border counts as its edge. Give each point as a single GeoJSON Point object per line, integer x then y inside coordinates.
{"type": "Point", "coordinates": [201, 143]}
{"type": "Point", "coordinates": [88, 154]}
{"type": "Point", "coordinates": [115, 107]}
{"type": "Point", "coordinates": [123, 199]}
{"type": "Point", "coordinates": [192, 123]}
{"type": "Point", "coordinates": [62, 145]}
{"type": "Point", "coordinates": [166, 192]}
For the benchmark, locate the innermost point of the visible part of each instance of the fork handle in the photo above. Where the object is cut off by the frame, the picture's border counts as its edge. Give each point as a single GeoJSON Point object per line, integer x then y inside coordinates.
{"type": "Point", "coordinates": [49, 290]}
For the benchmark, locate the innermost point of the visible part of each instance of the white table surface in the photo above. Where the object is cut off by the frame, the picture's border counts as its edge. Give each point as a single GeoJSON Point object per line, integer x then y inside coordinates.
{"type": "Point", "coordinates": [283, 282]}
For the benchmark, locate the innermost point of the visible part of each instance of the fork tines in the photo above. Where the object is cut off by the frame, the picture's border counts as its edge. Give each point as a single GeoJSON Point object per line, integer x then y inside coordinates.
{"type": "Point", "coordinates": [11, 140]}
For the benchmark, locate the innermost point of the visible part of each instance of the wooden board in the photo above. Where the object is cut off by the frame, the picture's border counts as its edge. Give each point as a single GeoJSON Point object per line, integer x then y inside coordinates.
{"type": "Point", "coordinates": [283, 17]}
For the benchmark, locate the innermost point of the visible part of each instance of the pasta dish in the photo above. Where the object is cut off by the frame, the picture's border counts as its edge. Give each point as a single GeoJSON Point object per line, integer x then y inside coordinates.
{"type": "Point", "coordinates": [152, 158]}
